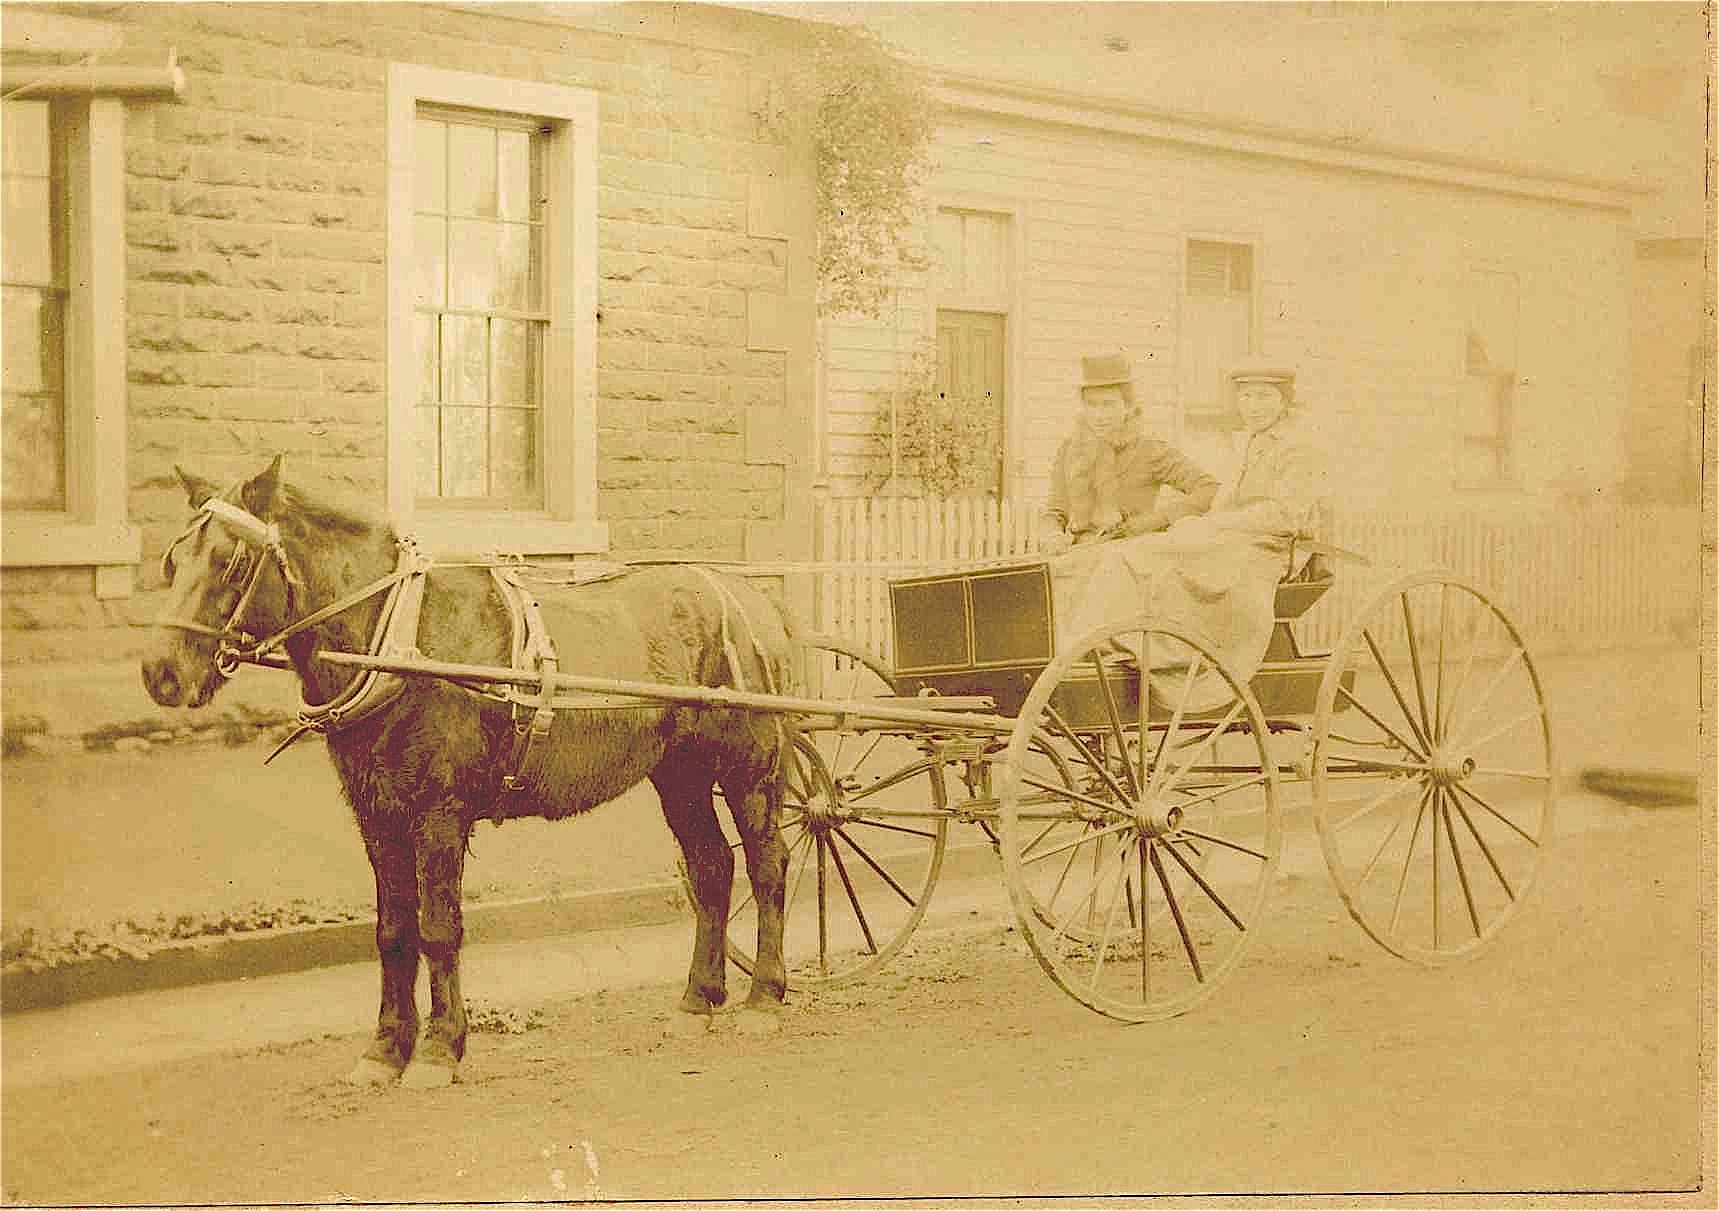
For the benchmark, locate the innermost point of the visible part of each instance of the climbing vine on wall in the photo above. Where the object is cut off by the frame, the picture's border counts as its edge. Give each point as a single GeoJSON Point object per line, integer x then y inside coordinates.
{"type": "Point", "coordinates": [947, 443]}
{"type": "Point", "coordinates": [871, 118]}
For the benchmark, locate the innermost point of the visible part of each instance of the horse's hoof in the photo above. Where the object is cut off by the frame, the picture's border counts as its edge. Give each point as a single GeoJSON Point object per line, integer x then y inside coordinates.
{"type": "Point", "coordinates": [427, 1074]}
{"type": "Point", "coordinates": [682, 1024]}
{"type": "Point", "coordinates": [369, 1071]}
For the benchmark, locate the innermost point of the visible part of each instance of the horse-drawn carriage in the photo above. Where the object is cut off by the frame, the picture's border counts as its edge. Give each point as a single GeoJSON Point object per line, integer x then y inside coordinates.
{"type": "Point", "coordinates": [1137, 812]}
{"type": "Point", "coordinates": [1131, 782]}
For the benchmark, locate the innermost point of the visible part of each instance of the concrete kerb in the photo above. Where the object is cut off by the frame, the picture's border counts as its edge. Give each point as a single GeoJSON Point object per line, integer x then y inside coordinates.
{"type": "Point", "coordinates": [300, 948]}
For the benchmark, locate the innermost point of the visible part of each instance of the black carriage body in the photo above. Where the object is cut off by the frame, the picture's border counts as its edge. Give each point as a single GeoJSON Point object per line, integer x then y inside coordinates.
{"type": "Point", "coordinates": [992, 632]}
{"type": "Point", "coordinates": [986, 632]}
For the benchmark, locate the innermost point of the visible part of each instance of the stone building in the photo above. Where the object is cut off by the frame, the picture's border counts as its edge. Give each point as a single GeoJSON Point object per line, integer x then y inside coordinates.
{"type": "Point", "coordinates": [530, 278]}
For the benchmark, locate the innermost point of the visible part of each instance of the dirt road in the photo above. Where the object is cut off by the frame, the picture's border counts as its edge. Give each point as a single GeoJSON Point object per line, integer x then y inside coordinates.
{"type": "Point", "coordinates": [1562, 1059]}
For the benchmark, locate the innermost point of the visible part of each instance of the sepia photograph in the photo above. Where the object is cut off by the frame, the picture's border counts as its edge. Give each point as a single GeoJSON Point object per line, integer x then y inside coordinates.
{"type": "Point", "coordinates": [1008, 603]}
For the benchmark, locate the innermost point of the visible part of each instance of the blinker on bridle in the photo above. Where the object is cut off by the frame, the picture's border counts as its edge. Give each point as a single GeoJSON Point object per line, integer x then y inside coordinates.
{"type": "Point", "coordinates": [234, 645]}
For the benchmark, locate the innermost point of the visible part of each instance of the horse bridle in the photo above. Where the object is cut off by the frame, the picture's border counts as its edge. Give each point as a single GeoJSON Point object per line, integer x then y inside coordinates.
{"type": "Point", "coordinates": [235, 645]}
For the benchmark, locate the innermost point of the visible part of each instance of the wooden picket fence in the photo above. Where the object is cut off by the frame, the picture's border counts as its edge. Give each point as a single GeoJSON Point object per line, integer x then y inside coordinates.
{"type": "Point", "coordinates": [1595, 577]}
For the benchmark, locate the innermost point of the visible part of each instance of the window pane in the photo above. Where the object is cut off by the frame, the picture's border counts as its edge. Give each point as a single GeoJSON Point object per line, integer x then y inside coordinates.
{"type": "Point", "coordinates": [515, 354]}
{"type": "Point", "coordinates": [430, 169]}
{"type": "Point", "coordinates": [513, 445]}
{"type": "Point", "coordinates": [464, 452]}
{"type": "Point", "coordinates": [471, 170]}
{"type": "Point", "coordinates": [429, 451]}
{"type": "Point", "coordinates": [28, 219]}
{"type": "Point", "coordinates": [516, 263]}
{"type": "Point", "coordinates": [429, 357]}
{"type": "Point", "coordinates": [473, 251]}
{"type": "Point", "coordinates": [514, 175]}
{"type": "Point", "coordinates": [32, 432]}
{"type": "Point", "coordinates": [27, 147]}
{"type": "Point", "coordinates": [429, 251]}
{"type": "Point", "coordinates": [33, 342]}
{"type": "Point", "coordinates": [465, 365]}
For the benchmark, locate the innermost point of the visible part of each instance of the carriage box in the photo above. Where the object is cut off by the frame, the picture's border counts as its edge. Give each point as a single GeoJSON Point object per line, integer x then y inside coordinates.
{"type": "Point", "coordinates": [988, 631]}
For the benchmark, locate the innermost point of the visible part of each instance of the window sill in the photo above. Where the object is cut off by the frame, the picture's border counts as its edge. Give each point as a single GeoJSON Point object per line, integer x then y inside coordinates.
{"type": "Point", "coordinates": [50, 541]}
{"type": "Point", "coordinates": [451, 534]}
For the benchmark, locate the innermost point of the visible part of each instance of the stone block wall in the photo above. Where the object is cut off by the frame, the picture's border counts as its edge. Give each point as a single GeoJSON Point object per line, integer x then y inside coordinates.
{"type": "Point", "coordinates": [257, 272]}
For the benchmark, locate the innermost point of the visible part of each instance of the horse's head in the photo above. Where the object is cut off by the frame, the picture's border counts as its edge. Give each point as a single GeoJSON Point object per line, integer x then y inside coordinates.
{"type": "Point", "coordinates": [230, 583]}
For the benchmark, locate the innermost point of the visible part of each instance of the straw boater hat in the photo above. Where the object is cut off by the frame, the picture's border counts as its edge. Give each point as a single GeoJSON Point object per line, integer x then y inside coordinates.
{"type": "Point", "coordinates": [1258, 370]}
{"type": "Point", "coordinates": [1108, 370]}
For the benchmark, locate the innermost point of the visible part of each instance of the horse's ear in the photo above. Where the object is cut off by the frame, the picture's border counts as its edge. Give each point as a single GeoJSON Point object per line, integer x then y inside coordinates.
{"type": "Point", "coordinates": [262, 493]}
{"type": "Point", "coordinates": [197, 489]}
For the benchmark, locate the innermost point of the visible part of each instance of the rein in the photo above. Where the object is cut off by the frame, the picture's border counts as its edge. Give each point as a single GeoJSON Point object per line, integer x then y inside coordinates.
{"type": "Point", "coordinates": [235, 645]}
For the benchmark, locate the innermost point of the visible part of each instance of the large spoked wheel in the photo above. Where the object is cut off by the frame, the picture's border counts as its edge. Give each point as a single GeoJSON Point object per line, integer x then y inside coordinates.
{"type": "Point", "coordinates": [1139, 887]}
{"type": "Point", "coordinates": [1432, 769]}
{"type": "Point", "coordinates": [864, 833]}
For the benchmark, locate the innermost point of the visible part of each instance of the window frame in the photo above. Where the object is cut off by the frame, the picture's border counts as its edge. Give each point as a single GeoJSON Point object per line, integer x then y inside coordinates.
{"type": "Point", "coordinates": [1009, 302]}
{"type": "Point", "coordinates": [1196, 414]}
{"type": "Point", "coordinates": [567, 522]}
{"type": "Point", "coordinates": [92, 530]}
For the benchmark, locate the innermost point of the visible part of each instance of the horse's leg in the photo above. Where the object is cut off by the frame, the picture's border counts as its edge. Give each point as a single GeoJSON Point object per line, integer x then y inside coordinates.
{"type": "Point", "coordinates": [389, 844]}
{"type": "Point", "coordinates": [686, 794]}
{"type": "Point", "coordinates": [441, 850]}
{"type": "Point", "coordinates": [757, 809]}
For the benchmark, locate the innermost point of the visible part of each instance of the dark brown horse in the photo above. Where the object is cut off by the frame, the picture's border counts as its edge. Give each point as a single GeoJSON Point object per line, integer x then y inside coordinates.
{"type": "Point", "coordinates": [262, 569]}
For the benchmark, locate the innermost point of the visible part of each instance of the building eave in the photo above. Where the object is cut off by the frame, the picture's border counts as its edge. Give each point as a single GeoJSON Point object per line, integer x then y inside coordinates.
{"type": "Point", "coordinates": [1037, 104]}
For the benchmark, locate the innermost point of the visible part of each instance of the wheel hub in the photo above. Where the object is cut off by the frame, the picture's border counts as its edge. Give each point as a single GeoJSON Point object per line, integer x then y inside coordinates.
{"type": "Point", "coordinates": [1450, 768]}
{"type": "Point", "coordinates": [1156, 818]}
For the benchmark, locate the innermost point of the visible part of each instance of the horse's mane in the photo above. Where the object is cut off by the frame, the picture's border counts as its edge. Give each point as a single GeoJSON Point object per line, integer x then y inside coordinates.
{"type": "Point", "coordinates": [313, 513]}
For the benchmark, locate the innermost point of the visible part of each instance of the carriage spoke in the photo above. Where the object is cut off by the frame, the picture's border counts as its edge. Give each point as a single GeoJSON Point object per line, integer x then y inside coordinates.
{"type": "Point", "coordinates": [1175, 715]}
{"type": "Point", "coordinates": [1175, 911]}
{"type": "Point", "coordinates": [1504, 671]}
{"type": "Point", "coordinates": [1414, 750]}
{"type": "Point", "coordinates": [1396, 827]}
{"type": "Point", "coordinates": [1115, 718]}
{"type": "Point", "coordinates": [1396, 690]}
{"type": "Point", "coordinates": [1531, 775]}
{"type": "Point", "coordinates": [1438, 687]}
{"type": "Point", "coordinates": [1503, 729]}
{"type": "Point", "coordinates": [871, 862]}
{"type": "Point", "coordinates": [1109, 924]}
{"type": "Point", "coordinates": [1083, 839]}
{"type": "Point", "coordinates": [1456, 856]}
{"type": "Point", "coordinates": [1437, 803]}
{"type": "Point", "coordinates": [1426, 722]}
{"type": "Point", "coordinates": [1226, 843]}
{"type": "Point", "coordinates": [1211, 895]}
{"type": "Point", "coordinates": [1505, 820]}
{"type": "Point", "coordinates": [1485, 849]}
{"type": "Point", "coordinates": [853, 897]}
{"type": "Point", "coordinates": [884, 826]}
{"type": "Point", "coordinates": [1229, 788]}
{"type": "Point", "coordinates": [1070, 794]}
{"type": "Point", "coordinates": [1194, 751]}
{"type": "Point", "coordinates": [1408, 862]}
{"type": "Point", "coordinates": [1094, 762]}
{"type": "Point", "coordinates": [1377, 802]}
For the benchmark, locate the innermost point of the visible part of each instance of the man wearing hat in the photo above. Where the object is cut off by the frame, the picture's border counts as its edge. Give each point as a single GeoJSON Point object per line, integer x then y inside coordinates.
{"type": "Point", "coordinates": [1108, 473]}
{"type": "Point", "coordinates": [1280, 484]}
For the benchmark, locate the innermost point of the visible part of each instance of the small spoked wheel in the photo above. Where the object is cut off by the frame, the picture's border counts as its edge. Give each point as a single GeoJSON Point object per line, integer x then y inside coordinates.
{"type": "Point", "coordinates": [864, 834]}
{"type": "Point", "coordinates": [1139, 886]}
{"type": "Point", "coordinates": [1432, 769]}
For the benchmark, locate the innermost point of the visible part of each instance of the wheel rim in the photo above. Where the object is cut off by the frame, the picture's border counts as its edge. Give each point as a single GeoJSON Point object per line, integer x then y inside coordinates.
{"type": "Point", "coordinates": [1139, 890]}
{"type": "Point", "coordinates": [865, 839]}
{"type": "Point", "coordinates": [1432, 769]}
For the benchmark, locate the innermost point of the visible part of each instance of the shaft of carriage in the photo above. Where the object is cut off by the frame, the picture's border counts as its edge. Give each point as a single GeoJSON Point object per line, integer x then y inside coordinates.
{"type": "Point", "coordinates": [606, 689]}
